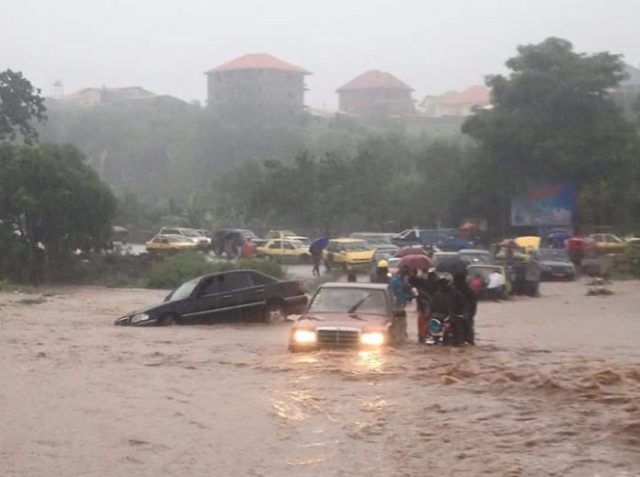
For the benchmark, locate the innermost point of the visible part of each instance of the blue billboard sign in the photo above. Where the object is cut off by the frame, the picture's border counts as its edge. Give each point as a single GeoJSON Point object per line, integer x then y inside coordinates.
{"type": "Point", "coordinates": [549, 205]}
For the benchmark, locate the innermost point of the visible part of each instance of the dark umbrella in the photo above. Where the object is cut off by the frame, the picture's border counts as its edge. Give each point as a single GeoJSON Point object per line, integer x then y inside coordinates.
{"type": "Point", "coordinates": [452, 265]}
{"type": "Point", "coordinates": [318, 244]}
{"type": "Point", "coordinates": [406, 251]}
{"type": "Point", "coordinates": [415, 262]}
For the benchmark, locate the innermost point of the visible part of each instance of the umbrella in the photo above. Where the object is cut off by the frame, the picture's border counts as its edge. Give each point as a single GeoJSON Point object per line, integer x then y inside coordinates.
{"type": "Point", "coordinates": [318, 244]}
{"type": "Point", "coordinates": [508, 243]}
{"type": "Point", "coordinates": [452, 265]}
{"type": "Point", "coordinates": [405, 251]}
{"type": "Point", "coordinates": [415, 262]}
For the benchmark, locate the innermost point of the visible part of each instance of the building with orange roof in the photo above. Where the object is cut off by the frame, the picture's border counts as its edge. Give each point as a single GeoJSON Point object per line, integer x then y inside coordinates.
{"type": "Point", "coordinates": [257, 83]}
{"type": "Point", "coordinates": [457, 103]}
{"type": "Point", "coordinates": [376, 93]}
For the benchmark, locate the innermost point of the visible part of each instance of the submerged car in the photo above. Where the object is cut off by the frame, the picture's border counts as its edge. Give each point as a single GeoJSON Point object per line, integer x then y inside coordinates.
{"type": "Point", "coordinates": [349, 315]}
{"type": "Point", "coordinates": [555, 264]}
{"type": "Point", "coordinates": [233, 295]}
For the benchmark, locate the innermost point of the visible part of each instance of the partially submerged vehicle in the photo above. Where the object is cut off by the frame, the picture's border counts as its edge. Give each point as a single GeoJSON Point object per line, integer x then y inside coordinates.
{"type": "Point", "coordinates": [201, 241]}
{"type": "Point", "coordinates": [349, 315]}
{"type": "Point", "coordinates": [233, 295]}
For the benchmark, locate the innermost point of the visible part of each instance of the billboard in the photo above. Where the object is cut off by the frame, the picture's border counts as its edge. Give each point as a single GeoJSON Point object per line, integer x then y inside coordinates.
{"type": "Point", "coordinates": [547, 205]}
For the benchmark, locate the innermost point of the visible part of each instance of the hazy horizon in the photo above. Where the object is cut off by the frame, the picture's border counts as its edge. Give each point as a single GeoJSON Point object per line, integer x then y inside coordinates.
{"type": "Point", "coordinates": [166, 46]}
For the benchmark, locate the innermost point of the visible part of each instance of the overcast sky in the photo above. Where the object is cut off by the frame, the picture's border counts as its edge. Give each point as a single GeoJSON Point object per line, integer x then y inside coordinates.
{"type": "Point", "coordinates": [166, 45]}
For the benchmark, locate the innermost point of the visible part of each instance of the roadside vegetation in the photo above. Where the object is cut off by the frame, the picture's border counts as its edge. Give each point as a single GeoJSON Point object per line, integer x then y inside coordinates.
{"type": "Point", "coordinates": [177, 269]}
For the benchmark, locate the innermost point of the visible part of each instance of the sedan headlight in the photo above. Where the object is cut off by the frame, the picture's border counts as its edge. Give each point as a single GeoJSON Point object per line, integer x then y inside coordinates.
{"type": "Point", "coordinates": [139, 317]}
{"type": "Point", "coordinates": [304, 336]}
{"type": "Point", "coordinates": [372, 338]}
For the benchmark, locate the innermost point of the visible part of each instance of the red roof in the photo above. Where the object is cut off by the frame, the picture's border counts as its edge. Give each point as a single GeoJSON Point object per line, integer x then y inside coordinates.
{"type": "Point", "coordinates": [374, 79]}
{"type": "Point", "coordinates": [259, 61]}
{"type": "Point", "coordinates": [475, 95]}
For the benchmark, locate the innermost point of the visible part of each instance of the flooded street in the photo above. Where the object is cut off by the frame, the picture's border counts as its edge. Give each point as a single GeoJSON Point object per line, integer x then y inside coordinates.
{"type": "Point", "coordinates": [553, 388]}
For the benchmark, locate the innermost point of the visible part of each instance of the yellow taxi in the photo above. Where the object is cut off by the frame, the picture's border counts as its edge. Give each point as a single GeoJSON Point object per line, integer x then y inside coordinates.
{"type": "Point", "coordinates": [170, 243]}
{"type": "Point", "coordinates": [348, 253]}
{"type": "Point", "coordinates": [284, 250]}
{"type": "Point", "coordinates": [607, 243]}
{"type": "Point", "coordinates": [529, 243]}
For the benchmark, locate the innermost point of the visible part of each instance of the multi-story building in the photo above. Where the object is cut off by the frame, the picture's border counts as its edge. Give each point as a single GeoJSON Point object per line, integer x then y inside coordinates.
{"type": "Point", "coordinates": [257, 83]}
{"type": "Point", "coordinates": [457, 103]}
{"type": "Point", "coordinates": [376, 93]}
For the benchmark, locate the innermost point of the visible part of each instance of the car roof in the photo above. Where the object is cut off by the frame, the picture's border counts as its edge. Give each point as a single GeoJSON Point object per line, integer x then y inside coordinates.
{"type": "Point", "coordinates": [347, 240]}
{"type": "Point", "coordinates": [352, 285]}
{"type": "Point", "coordinates": [474, 250]}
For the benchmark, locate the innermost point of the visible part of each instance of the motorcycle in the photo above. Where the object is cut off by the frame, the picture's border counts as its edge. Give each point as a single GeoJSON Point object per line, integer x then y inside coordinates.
{"type": "Point", "coordinates": [445, 330]}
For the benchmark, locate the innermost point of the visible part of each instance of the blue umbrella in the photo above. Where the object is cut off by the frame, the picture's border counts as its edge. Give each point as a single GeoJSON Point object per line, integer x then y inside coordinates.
{"type": "Point", "coordinates": [559, 235]}
{"type": "Point", "coordinates": [318, 244]}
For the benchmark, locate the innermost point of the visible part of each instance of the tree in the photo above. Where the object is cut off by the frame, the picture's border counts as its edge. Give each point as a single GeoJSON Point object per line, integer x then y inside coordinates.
{"type": "Point", "coordinates": [51, 204]}
{"type": "Point", "coordinates": [552, 120]}
{"type": "Point", "coordinates": [19, 104]}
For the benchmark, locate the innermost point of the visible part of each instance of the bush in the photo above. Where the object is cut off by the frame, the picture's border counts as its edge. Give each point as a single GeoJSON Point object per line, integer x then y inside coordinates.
{"type": "Point", "coordinates": [628, 264]}
{"type": "Point", "coordinates": [182, 267]}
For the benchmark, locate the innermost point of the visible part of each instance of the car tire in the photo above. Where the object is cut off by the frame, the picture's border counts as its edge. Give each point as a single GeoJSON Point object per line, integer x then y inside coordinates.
{"type": "Point", "coordinates": [167, 319]}
{"type": "Point", "coordinates": [274, 313]}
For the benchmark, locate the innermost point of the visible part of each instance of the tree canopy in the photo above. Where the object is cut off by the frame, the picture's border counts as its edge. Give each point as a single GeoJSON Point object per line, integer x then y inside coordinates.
{"type": "Point", "coordinates": [20, 102]}
{"type": "Point", "coordinates": [51, 204]}
{"type": "Point", "coordinates": [552, 120]}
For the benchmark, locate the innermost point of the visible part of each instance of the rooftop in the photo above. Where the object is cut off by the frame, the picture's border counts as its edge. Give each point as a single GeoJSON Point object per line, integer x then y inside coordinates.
{"type": "Point", "coordinates": [259, 61]}
{"type": "Point", "coordinates": [374, 79]}
{"type": "Point", "coordinates": [475, 95]}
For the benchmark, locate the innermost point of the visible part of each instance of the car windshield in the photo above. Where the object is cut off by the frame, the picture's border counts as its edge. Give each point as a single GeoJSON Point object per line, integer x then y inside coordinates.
{"type": "Point", "coordinates": [552, 254]}
{"type": "Point", "coordinates": [191, 233]}
{"type": "Point", "coordinates": [184, 290]}
{"type": "Point", "coordinates": [476, 257]}
{"type": "Point", "coordinates": [349, 300]}
{"type": "Point", "coordinates": [358, 246]}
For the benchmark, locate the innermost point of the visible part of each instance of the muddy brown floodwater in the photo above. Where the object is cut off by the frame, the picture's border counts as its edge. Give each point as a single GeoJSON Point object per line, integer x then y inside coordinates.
{"type": "Point", "coordinates": [553, 388]}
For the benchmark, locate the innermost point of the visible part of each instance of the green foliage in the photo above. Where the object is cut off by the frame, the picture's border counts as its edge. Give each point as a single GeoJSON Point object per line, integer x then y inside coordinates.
{"type": "Point", "coordinates": [19, 104]}
{"type": "Point", "coordinates": [628, 264]}
{"type": "Point", "coordinates": [552, 120]}
{"type": "Point", "coordinates": [51, 204]}
{"type": "Point", "coordinates": [181, 267]}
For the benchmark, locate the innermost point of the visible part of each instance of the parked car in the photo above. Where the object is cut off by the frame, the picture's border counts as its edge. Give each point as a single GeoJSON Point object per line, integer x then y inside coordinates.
{"type": "Point", "coordinates": [607, 243]}
{"type": "Point", "coordinates": [348, 253]}
{"type": "Point", "coordinates": [555, 264]}
{"type": "Point", "coordinates": [440, 256]}
{"type": "Point", "coordinates": [284, 250]}
{"type": "Point", "coordinates": [476, 256]}
{"type": "Point", "coordinates": [444, 239]}
{"type": "Point", "coordinates": [163, 243]}
{"type": "Point", "coordinates": [224, 237]}
{"type": "Point", "coordinates": [194, 235]}
{"type": "Point", "coordinates": [381, 242]}
{"type": "Point", "coordinates": [349, 315]}
{"type": "Point", "coordinates": [237, 295]}
{"type": "Point", "coordinates": [306, 241]}
{"type": "Point", "coordinates": [279, 234]}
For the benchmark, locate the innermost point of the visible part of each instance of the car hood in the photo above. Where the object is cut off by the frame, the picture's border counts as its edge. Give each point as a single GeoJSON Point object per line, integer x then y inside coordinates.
{"type": "Point", "coordinates": [331, 320]}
